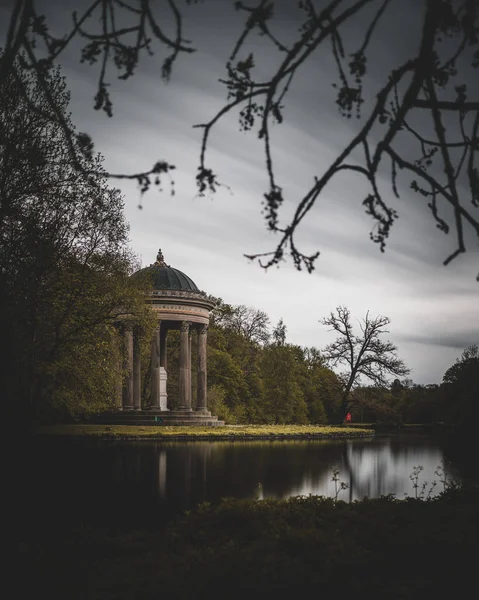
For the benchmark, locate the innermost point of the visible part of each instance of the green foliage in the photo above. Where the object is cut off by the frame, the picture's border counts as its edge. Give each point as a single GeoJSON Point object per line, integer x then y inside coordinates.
{"type": "Point", "coordinates": [225, 372]}
{"type": "Point", "coordinates": [64, 267]}
{"type": "Point", "coordinates": [461, 390]}
{"type": "Point", "coordinates": [283, 397]}
{"type": "Point", "coordinates": [378, 404]}
{"type": "Point", "coordinates": [305, 545]}
{"type": "Point", "coordinates": [254, 381]}
{"type": "Point", "coordinates": [217, 405]}
{"type": "Point", "coordinates": [420, 403]}
{"type": "Point", "coordinates": [322, 394]}
{"type": "Point", "coordinates": [81, 381]}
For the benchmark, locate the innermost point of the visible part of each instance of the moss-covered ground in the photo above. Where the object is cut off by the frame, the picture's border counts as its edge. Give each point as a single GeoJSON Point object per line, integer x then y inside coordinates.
{"type": "Point", "coordinates": [224, 432]}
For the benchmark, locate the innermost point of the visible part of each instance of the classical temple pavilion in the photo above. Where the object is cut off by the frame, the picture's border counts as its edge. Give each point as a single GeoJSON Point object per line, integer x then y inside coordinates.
{"type": "Point", "coordinates": [178, 304]}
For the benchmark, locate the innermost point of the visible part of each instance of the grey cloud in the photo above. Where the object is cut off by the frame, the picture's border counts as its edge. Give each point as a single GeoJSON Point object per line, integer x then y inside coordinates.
{"type": "Point", "coordinates": [433, 309]}
{"type": "Point", "coordinates": [457, 340]}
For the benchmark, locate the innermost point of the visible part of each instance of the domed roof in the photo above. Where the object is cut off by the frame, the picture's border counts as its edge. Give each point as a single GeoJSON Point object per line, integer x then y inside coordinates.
{"type": "Point", "coordinates": [165, 277]}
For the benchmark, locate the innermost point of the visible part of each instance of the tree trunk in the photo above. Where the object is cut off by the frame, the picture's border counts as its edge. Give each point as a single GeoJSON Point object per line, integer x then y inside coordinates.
{"type": "Point", "coordinates": [343, 407]}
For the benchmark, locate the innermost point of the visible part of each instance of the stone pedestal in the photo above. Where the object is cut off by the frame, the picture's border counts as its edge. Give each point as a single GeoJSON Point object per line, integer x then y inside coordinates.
{"type": "Point", "coordinates": [163, 394]}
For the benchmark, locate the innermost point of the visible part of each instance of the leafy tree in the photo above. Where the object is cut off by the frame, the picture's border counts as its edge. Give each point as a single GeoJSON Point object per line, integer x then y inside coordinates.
{"type": "Point", "coordinates": [327, 390]}
{"type": "Point", "coordinates": [423, 121]}
{"type": "Point", "coordinates": [377, 404]}
{"type": "Point", "coordinates": [464, 371]}
{"type": "Point", "coordinates": [279, 334]}
{"type": "Point", "coordinates": [77, 350]}
{"type": "Point", "coordinates": [461, 389]}
{"type": "Point", "coordinates": [363, 355]}
{"type": "Point", "coordinates": [64, 269]}
{"type": "Point", "coordinates": [225, 372]}
{"type": "Point", "coordinates": [321, 387]}
{"type": "Point", "coordinates": [421, 403]}
{"type": "Point", "coordinates": [252, 324]}
{"type": "Point", "coordinates": [276, 382]}
{"type": "Point", "coordinates": [217, 404]}
{"type": "Point", "coordinates": [284, 400]}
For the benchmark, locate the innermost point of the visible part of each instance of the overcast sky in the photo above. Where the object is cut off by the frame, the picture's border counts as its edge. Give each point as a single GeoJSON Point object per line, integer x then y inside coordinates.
{"type": "Point", "coordinates": [434, 310]}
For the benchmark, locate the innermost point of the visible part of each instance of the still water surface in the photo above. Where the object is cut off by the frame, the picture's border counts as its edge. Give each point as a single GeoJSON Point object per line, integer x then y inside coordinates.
{"type": "Point", "coordinates": [149, 482]}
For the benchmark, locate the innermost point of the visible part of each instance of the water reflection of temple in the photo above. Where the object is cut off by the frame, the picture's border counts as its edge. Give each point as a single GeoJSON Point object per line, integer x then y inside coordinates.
{"type": "Point", "coordinates": [148, 482]}
{"type": "Point", "coordinates": [187, 474]}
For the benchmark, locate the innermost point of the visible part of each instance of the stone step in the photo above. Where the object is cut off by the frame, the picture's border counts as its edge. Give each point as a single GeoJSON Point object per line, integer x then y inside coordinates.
{"type": "Point", "coordinates": [148, 418]}
{"type": "Point", "coordinates": [141, 418]}
{"type": "Point", "coordinates": [169, 423]}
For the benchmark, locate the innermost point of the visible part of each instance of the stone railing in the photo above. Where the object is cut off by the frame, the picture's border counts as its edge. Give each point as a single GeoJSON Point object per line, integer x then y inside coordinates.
{"type": "Point", "coordinates": [180, 294]}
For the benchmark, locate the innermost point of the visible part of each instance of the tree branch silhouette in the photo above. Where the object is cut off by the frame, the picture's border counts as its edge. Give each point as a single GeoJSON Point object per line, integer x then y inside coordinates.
{"type": "Point", "coordinates": [30, 41]}
{"type": "Point", "coordinates": [427, 77]}
{"type": "Point", "coordinates": [430, 86]}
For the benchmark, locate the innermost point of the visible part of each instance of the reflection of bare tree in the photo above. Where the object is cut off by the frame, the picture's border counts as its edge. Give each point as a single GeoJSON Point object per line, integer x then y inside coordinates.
{"type": "Point", "coordinates": [384, 467]}
{"type": "Point", "coordinates": [350, 473]}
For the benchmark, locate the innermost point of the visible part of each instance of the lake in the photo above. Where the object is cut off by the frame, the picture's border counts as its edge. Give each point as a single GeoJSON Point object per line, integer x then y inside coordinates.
{"type": "Point", "coordinates": [144, 482]}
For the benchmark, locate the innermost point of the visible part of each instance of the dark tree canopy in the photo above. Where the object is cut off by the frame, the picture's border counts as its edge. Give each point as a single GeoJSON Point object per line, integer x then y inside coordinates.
{"type": "Point", "coordinates": [421, 129]}
{"type": "Point", "coordinates": [461, 387]}
{"type": "Point", "coordinates": [64, 265]}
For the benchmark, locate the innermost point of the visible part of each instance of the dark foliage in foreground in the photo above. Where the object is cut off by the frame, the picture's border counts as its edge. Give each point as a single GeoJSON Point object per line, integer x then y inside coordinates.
{"type": "Point", "coordinates": [380, 548]}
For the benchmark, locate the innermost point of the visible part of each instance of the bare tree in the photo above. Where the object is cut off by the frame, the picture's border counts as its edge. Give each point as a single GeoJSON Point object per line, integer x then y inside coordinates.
{"type": "Point", "coordinates": [252, 323]}
{"type": "Point", "coordinates": [429, 87]}
{"type": "Point", "coordinates": [363, 355]}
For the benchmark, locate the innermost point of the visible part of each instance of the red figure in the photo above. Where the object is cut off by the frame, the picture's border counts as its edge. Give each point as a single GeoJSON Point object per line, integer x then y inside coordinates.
{"type": "Point", "coordinates": [348, 418]}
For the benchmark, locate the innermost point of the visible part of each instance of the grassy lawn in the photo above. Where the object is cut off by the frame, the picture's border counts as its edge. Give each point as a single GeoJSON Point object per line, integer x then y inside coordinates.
{"type": "Point", "coordinates": [225, 432]}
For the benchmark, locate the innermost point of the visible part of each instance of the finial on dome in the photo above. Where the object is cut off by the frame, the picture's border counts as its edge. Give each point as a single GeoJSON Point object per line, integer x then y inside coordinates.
{"type": "Point", "coordinates": [160, 259]}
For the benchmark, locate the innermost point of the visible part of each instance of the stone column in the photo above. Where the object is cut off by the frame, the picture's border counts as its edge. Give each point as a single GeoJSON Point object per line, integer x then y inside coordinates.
{"type": "Point", "coordinates": [128, 368]}
{"type": "Point", "coordinates": [155, 370]}
{"type": "Point", "coordinates": [188, 387]}
{"type": "Point", "coordinates": [136, 369]}
{"type": "Point", "coordinates": [118, 385]}
{"type": "Point", "coordinates": [184, 355]}
{"type": "Point", "coordinates": [201, 383]}
{"type": "Point", "coordinates": [163, 376]}
{"type": "Point", "coordinates": [163, 353]}
{"type": "Point", "coordinates": [116, 342]}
